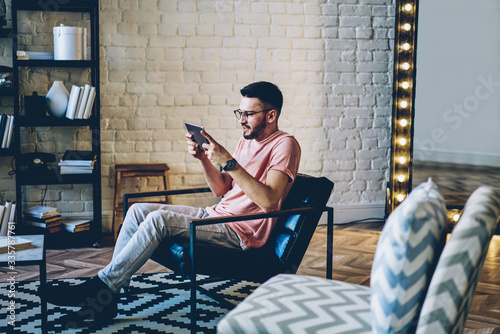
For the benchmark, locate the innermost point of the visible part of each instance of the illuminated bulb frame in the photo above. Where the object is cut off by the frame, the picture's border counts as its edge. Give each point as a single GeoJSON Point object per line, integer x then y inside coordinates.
{"type": "Point", "coordinates": [395, 188]}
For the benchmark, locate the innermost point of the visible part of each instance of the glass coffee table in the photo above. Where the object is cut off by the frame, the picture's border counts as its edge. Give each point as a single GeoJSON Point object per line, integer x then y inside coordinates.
{"type": "Point", "coordinates": [13, 258]}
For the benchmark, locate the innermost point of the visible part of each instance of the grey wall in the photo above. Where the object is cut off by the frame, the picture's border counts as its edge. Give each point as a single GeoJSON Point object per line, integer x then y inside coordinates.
{"type": "Point", "coordinates": [457, 108]}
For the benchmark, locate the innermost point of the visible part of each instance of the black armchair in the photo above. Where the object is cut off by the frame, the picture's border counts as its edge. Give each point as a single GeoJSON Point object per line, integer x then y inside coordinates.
{"type": "Point", "coordinates": [283, 252]}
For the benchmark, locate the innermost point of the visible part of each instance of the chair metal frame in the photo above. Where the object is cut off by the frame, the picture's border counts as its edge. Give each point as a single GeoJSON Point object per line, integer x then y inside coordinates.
{"type": "Point", "coordinates": [226, 219]}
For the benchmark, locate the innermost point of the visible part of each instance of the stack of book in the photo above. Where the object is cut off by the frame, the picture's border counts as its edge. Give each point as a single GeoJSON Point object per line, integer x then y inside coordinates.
{"type": "Point", "coordinates": [6, 130]}
{"type": "Point", "coordinates": [7, 214]}
{"type": "Point", "coordinates": [43, 216]}
{"type": "Point", "coordinates": [77, 162]}
{"type": "Point", "coordinates": [81, 100]}
{"type": "Point", "coordinates": [76, 225]}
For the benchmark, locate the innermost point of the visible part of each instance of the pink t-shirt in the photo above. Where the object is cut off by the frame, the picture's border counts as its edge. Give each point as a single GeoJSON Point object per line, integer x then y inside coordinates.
{"type": "Point", "coordinates": [281, 152]}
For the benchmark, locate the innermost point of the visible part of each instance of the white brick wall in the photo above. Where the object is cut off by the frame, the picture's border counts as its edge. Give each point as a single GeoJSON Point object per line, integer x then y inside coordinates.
{"type": "Point", "coordinates": [166, 61]}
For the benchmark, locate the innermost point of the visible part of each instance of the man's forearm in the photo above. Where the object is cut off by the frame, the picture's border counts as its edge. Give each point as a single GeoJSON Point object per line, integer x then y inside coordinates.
{"type": "Point", "coordinates": [266, 196]}
{"type": "Point", "coordinates": [217, 181]}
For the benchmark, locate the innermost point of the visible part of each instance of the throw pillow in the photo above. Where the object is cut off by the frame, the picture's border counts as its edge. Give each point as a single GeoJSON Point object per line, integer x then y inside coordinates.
{"type": "Point", "coordinates": [452, 287]}
{"type": "Point", "coordinates": [410, 244]}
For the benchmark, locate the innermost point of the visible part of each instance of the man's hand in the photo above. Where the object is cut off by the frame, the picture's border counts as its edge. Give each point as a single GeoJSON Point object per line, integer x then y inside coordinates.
{"type": "Point", "coordinates": [215, 152]}
{"type": "Point", "coordinates": [194, 149]}
{"type": "Point", "coordinates": [211, 153]}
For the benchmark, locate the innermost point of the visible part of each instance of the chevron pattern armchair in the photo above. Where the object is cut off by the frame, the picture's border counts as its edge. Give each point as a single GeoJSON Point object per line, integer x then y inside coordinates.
{"type": "Point", "coordinates": [412, 278]}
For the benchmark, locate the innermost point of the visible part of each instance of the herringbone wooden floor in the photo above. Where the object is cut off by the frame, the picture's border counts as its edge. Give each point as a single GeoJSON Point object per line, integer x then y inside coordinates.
{"type": "Point", "coordinates": [354, 248]}
{"type": "Point", "coordinates": [455, 181]}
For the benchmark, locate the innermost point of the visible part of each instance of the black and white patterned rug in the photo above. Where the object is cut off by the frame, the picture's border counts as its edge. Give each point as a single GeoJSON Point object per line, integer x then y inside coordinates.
{"type": "Point", "coordinates": [165, 311]}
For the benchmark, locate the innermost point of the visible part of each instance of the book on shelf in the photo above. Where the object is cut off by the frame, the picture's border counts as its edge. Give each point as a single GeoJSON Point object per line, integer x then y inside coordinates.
{"type": "Point", "coordinates": [9, 132]}
{"type": "Point", "coordinates": [18, 244]}
{"type": "Point", "coordinates": [22, 55]}
{"type": "Point", "coordinates": [3, 126]}
{"type": "Point", "coordinates": [83, 103]}
{"type": "Point", "coordinates": [90, 103]}
{"type": "Point", "coordinates": [43, 220]}
{"type": "Point", "coordinates": [81, 100]}
{"type": "Point", "coordinates": [74, 95]}
{"type": "Point", "coordinates": [42, 224]}
{"type": "Point", "coordinates": [79, 103]}
{"type": "Point", "coordinates": [76, 225]}
{"type": "Point", "coordinates": [76, 163]}
{"type": "Point", "coordinates": [5, 214]}
{"type": "Point", "coordinates": [79, 155]}
{"type": "Point", "coordinates": [39, 211]}
{"type": "Point", "coordinates": [5, 137]}
{"type": "Point", "coordinates": [76, 170]}
{"type": "Point", "coordinates": [12, 212]}
{"type": "Point", "coordinates": [55, 229]}
{"type": "Point", "coordinates": [51, 224]}
{"type": "Point", "coordinates": [2, 211]}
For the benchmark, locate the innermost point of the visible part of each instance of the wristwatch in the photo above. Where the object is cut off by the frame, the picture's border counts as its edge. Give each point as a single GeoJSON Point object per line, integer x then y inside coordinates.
{"type": "Point", "coordinates": [230, 164]}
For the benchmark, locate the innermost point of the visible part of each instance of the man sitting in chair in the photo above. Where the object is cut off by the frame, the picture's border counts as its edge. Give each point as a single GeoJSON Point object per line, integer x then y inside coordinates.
{"type": "Point", "coordinates": [256, 178]}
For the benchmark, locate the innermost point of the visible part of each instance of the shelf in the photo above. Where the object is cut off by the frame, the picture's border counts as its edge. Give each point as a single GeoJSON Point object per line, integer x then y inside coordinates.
{"type": "Point", "coordinates": [55, 63]}
{"type": "Point", "coordinates": [55, 6]}
{"type": "Point", "coordinates": [9, 91]}
{"type": "Point", "coordinates": [54, 177]}
{"type": "Point", "coordinates": [5, 33]}
{"type": "Point", "coordinates": [54, 121]}
{"type": "Point", "coordinates": [5, 152]}
{"type": "Point", "coordinates": [61, 239]}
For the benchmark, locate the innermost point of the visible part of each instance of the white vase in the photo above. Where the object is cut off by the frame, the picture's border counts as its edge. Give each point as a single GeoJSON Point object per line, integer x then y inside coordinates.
{"type": "Point", "coordinates": [57, 99]}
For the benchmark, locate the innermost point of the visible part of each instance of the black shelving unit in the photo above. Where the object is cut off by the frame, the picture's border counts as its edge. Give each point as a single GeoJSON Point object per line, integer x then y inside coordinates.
{"type": "Point", "coordinates": [5, 32]}
{"type": "Point", "coordinates": [52, 121]}
{"type": "Point", "coordinates": [6, 92]}
{"type": "Point", "coordinates": [54, 177]}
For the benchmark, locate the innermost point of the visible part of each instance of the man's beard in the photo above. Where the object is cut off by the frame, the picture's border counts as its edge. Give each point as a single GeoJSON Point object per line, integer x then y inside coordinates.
{"type": "Point", "coordinates": [257, 131]}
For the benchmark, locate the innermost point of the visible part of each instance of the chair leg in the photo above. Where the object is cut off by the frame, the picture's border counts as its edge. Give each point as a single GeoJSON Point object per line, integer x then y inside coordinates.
{"type": "Point", "coordinates": [329, 244]}
{"type": "Point", "coordinates": [192, 239]}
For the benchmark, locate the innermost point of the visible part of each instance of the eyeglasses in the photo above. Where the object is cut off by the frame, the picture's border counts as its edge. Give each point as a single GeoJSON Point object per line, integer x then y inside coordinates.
{"type": "Point", "coordinates": [239, 114]}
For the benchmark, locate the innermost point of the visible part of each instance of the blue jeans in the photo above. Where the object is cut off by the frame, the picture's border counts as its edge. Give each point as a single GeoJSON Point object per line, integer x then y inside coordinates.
{"type": "Point", "coordinates": [146, 225]}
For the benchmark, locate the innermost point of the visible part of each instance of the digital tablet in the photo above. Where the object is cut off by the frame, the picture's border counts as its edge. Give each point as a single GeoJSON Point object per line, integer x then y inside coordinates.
{"type": "Point", "coordinates": [194, 130]}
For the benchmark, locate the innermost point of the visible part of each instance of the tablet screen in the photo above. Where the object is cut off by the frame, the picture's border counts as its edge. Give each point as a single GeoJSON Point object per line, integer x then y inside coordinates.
{"type": "Point", "coordinates": [194, 130]}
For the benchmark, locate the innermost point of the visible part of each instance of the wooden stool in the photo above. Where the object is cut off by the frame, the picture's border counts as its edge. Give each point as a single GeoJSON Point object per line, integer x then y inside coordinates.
{"type": "Point", "coordinates": [123, 171]}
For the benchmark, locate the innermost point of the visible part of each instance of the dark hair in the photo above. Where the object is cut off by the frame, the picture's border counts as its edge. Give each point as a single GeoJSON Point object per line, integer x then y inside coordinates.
{"type": "Point", "coordinates": [265, 91]}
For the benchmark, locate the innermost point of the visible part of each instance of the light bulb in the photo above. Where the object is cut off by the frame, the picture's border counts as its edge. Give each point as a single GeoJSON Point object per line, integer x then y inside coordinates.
{"type": "Point", "coordinates": [402, 160]}
{"type": "Point", "coordinates": [402, 141]}
{"type": "Point", "coordinates": [400, 197]}
{"type": "Point", "coordinates": [403, 122]}
{"type": "Point", "coordinates": [405, 84]}
{"type": "Point", "coordinates": [403, 104]}
{"type": "Point", "coordinates": [401, 178]}
{"type": "Point", "coordinates": [406, 46]}
{"type": "Point", "coordinates": [405, 66]}
{"type": "Point", "coordinates": [408, 7]}
{"type": "Point", "coordinates": [456, 216]}
{"type": "Point", "coordinates": [407, 26]}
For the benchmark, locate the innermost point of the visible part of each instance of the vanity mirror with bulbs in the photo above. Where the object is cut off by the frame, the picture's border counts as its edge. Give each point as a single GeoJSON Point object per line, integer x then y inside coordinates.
{"type": "Point", "coordinates": [446, 111]}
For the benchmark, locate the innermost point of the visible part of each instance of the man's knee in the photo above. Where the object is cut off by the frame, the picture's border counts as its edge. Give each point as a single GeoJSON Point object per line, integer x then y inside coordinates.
{"type": "Point", "coordinates": [136, 207]}
{"type": "Point", "coordinates": [155, 218]}
{"type": "Point", "coordinates": [137, 210]}
{"type": "Point", "coordinates": [135, 215]}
